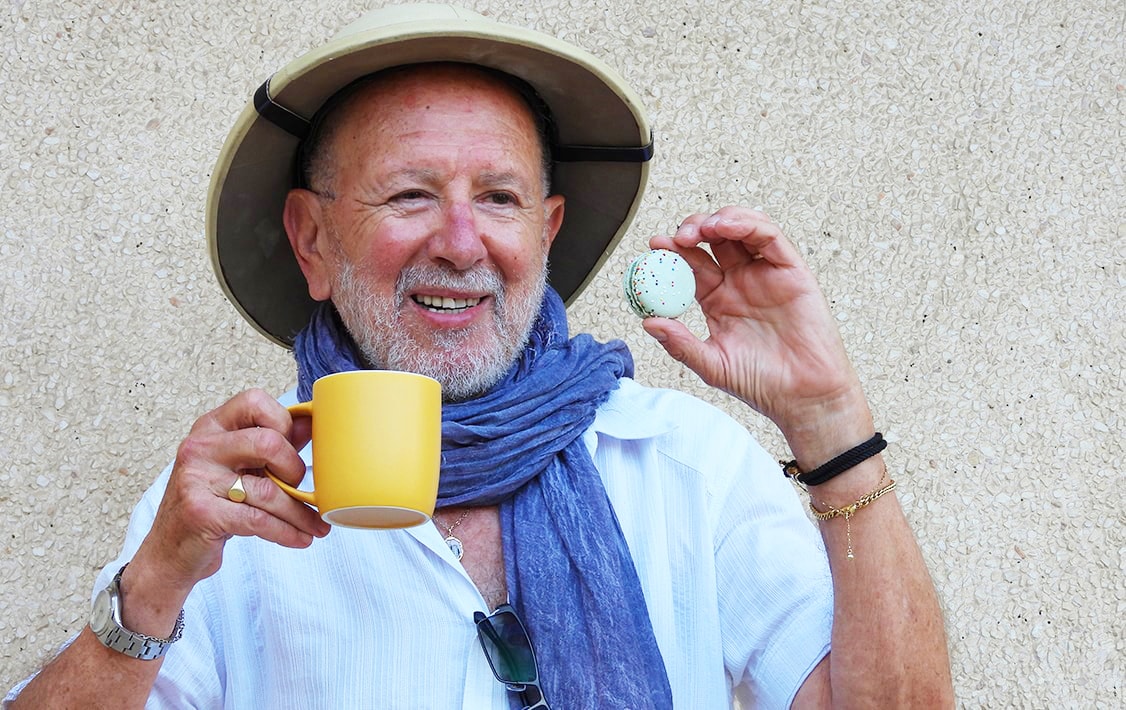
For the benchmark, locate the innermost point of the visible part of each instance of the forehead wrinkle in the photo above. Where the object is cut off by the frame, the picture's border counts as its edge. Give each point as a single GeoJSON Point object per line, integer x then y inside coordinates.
{"type": "Point", "coordinates": [414, 173]}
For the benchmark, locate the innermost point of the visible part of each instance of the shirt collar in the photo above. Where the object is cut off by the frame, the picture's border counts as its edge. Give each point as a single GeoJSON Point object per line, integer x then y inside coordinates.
{"type": "Point", "coordinates": [624, 415]}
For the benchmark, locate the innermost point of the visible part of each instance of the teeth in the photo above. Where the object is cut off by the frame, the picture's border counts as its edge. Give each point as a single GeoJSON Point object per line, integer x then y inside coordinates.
{"type": "Point", "coordinates": [442, 303]}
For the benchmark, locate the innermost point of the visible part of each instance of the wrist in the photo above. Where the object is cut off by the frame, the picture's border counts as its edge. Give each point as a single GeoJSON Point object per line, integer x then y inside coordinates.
{"type": "Point", "coordinates": [837, 465]}
{"type": "Point", "coordinates": [828, 429]}
{"type": "Point", "coordinates": [111, 628]}
{"type": "Point", "coordinates": [149, 605]}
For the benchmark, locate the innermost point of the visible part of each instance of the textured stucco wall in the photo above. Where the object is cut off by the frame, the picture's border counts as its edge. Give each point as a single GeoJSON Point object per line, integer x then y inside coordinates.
{"type": "Point", "coordinates": [953, 172]}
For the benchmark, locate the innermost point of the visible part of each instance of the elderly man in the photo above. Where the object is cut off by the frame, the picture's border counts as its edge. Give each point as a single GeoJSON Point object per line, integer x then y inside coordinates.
{"type": "Point", "coordinates": [654, 554]}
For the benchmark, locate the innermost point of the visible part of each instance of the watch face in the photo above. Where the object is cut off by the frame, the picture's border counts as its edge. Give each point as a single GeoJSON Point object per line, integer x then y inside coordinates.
{"type": "Point", "coordinates": [100, 615]}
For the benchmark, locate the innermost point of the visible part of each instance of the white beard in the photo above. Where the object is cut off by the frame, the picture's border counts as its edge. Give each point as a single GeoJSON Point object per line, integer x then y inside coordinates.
{"type": "Point", "coordinates": [464, 370]}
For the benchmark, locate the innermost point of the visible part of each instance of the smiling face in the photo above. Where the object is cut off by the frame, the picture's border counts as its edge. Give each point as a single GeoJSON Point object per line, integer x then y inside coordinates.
{"type": "Point", "coordinates": [432, 235]}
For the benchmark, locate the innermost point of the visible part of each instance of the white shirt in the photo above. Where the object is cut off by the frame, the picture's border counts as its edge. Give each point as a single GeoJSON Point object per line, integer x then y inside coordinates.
{"type": "Point", "coordinates": [734, 575]}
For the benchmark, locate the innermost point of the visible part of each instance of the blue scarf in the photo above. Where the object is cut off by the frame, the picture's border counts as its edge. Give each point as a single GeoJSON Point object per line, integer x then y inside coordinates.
{"type": "Point", "coordinates": [569, 572]}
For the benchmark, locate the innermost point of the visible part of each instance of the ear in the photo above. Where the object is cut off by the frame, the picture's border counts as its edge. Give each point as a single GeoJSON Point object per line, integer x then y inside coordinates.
{"type": "Point", "coordinates": [553, 217]}
{"type": "Point", "coordinates": [303, 218]}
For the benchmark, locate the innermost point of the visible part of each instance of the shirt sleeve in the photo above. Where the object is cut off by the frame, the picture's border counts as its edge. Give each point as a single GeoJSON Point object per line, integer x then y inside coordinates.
{"type": "Point", "coordinates": [773, 582]}
{"type": "Point", "coordinates": [190, 675]}
{"type": "Point", "coordinates": [769, 591]}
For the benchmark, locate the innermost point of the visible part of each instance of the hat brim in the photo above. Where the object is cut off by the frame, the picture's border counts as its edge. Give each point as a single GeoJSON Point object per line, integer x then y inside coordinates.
{"type": "Point", "coordinates": [591, 105]}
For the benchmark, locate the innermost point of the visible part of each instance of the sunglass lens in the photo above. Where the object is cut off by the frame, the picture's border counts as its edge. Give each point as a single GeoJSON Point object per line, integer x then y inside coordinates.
{"type": "Point", "coordinates": [509, 649]}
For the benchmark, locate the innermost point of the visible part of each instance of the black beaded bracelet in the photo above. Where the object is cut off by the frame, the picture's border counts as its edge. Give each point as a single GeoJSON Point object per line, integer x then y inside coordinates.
{"type": "Point", "coordinates": [836, 466]}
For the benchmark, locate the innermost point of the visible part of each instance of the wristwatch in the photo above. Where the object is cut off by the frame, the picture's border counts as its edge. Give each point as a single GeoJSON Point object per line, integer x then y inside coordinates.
{"type": "Point", "coordinates": [105, 622]}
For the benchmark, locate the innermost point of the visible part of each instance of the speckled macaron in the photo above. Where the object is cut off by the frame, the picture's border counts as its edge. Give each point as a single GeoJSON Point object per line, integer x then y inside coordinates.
{"type": "Point", "coordinates": [659, 283]}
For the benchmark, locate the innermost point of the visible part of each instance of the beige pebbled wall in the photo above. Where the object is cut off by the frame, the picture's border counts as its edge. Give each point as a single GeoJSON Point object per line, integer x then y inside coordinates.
{"type": "Point", "coordinates": [952, 171]}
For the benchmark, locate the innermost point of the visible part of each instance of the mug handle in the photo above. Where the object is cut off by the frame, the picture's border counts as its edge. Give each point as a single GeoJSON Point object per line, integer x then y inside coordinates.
{"type": "Point", "coordinates": [302, 409]}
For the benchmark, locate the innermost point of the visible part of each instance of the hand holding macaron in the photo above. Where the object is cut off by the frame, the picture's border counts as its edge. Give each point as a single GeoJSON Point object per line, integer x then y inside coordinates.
{"type": "Point", "coordinates": [772, 340]}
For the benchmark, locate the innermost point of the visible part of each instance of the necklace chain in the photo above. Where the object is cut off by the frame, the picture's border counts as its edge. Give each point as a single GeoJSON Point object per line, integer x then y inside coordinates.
{"type": "Point", "coordinates": [450, 528]}
{"type": "Point", "coordinates": [452, 541]}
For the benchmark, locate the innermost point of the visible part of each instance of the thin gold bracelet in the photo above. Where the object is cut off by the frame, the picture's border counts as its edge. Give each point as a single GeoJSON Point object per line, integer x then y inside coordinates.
{"type": "Point", "coordinates": [849, 510]}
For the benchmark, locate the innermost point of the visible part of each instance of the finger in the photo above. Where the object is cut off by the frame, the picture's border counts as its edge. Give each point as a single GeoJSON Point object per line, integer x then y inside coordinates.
{"type": "Point", "coordinates": [759, 238]}
{"type": "Point", "coordinates": [245, 410]}
{"type": "Point", "coordinates": [277, 455]}
{"type": "Point", "coordinates": [691, 224]}
{"type": "Point", "coordinates": [688, 230]}
{"type": "Point", "coordinates": [215, 459]}
{"type": "Point", "coordinates": [731, 243]}
{"type": "Point", "coordinates": [301, 433]}
{"type": "Point", "coordinates": [269, 513]}
{"type": "Point", "coordinates": [244, 450]}
{"type": "Point", "coordinates": [732, 253]}
{"type": "Point", "coordinates": [682, 345]}
{"type": "Point", "coordinates": [740, 212]}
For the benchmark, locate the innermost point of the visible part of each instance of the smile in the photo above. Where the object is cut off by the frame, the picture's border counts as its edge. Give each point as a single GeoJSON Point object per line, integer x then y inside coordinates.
{"type": "Point", "coordinates": [443, 304]}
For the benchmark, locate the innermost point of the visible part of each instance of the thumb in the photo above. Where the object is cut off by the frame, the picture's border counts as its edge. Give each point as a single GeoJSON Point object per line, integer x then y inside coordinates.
{"type": "Point", "coordinates": [680, 343]}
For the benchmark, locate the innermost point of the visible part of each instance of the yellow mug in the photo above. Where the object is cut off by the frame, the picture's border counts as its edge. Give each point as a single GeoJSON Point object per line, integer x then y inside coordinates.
{"type": "Point", "coordinates": [377, 446]}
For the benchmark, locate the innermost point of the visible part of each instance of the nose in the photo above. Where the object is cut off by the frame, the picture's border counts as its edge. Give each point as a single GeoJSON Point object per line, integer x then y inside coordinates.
{"type": "Point", "coordinates": [457, 241]}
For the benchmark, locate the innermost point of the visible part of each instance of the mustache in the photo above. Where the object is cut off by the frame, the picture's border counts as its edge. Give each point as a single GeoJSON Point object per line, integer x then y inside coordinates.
{"type": "Point", "coordinates": [479, 279]}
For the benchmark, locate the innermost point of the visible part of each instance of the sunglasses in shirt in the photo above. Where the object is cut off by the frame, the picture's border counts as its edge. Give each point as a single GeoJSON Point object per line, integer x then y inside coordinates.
{"type": "Point", "coordinates": [510, 655]}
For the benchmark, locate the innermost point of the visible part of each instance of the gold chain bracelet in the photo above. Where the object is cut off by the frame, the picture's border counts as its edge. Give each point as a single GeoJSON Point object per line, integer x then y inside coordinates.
{"type": "Point", "coordinates": [849, 510]}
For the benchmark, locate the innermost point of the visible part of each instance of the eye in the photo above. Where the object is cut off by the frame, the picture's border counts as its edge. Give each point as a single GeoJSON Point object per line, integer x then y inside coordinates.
{"type": "Point", "coordinates": [409, 196]}
{"type": "Point", "coordinates": [501, 198]}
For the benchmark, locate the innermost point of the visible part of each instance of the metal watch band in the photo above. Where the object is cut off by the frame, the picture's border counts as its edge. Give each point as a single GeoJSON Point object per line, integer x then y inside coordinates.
{"type": "Point", "coordinates": [145, 648]}
{"type": "Point", "coordinates": [120, 639]}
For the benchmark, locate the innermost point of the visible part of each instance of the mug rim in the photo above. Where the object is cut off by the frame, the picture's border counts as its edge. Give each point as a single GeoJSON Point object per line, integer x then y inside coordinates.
{"type": "Point", "coordinates": [329, 514]}
{"type": "Point", "coordinates": [378, 372]}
